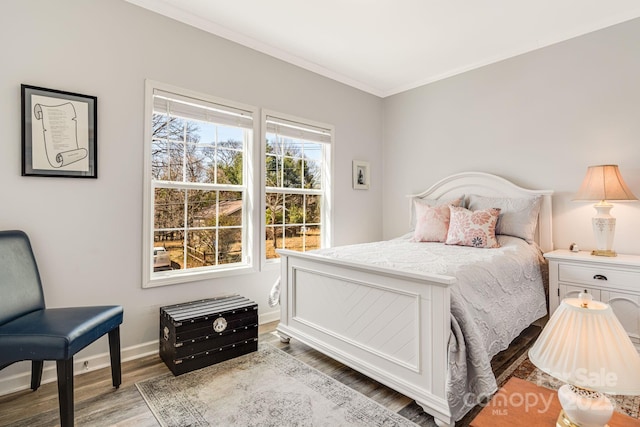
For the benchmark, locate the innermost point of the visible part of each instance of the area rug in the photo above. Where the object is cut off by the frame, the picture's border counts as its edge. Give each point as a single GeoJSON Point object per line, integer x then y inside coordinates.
{"type": "Point", "coordinates": [524, 369]}
{"type": "Point", "coordinates": [264, 388]}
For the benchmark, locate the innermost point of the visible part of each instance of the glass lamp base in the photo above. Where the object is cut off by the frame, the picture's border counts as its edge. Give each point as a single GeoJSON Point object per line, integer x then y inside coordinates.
{"type": "Point", "coordinates": [604, 228]}
{"type": "Point", "coordinates": [563, 421]}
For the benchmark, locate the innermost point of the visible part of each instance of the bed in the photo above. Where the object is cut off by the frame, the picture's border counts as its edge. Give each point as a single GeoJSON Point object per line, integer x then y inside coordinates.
{"type": "Point", "coordinates": [397, 313]}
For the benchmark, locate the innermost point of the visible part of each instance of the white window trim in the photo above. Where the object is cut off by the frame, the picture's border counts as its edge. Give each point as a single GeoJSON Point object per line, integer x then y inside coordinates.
{"type": "Point", "coordinates": [250, 214]}
{"type": "Point", "coordinates": [327, 176]}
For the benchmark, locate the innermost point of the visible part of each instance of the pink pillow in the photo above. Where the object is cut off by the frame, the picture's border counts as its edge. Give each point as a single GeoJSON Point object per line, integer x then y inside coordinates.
{"type": "Point", "coordinates": [473, 228]}
{"type": "Point", "coordinates": [432, 223]}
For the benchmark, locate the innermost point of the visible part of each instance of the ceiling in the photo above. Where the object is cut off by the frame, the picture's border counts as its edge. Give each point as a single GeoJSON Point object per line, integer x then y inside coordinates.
{"type": "Point", "coordinates": [388, 46]}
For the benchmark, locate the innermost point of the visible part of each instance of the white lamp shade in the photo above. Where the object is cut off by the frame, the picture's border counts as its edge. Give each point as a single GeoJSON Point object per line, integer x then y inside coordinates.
{"type": "Point", "coordinates": [604, 182]}
{"type": "Point", "coordinates": [588, 348]}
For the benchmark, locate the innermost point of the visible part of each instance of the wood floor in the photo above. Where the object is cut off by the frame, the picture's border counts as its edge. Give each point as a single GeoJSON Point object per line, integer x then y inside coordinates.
{"type": "Point", "coordinates": [97, 403]}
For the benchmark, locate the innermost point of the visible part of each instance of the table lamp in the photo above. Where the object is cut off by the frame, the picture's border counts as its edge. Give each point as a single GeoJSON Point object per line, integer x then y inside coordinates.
{"type": "Point", "coordinates": [585, 346]}
{"type": "Point", "coordinates": [604, 183]}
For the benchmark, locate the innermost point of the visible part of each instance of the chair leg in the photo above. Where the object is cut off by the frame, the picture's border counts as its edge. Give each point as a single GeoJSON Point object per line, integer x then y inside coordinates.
{"type": "Point", "coordinates": [36, 373]}
{"type": "Point", "coordinates": [114, 352]}
{"type": "Point", "coordinates": [65, 391]}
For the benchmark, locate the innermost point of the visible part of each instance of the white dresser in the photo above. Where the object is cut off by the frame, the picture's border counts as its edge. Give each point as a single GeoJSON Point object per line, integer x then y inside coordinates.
{"type": "Point", "coordinates": [614, 280]}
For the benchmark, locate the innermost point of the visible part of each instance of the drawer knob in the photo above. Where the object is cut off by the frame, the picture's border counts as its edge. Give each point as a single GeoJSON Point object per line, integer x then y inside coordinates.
{"type": "Point", "coordinates": [600, 277]}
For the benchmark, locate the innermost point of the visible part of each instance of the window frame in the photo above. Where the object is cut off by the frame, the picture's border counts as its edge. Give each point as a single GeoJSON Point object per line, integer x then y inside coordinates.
{"type": "Point", "coordinates": [326, 212]}
{"type": "Point", "coordinates": [153, 279]}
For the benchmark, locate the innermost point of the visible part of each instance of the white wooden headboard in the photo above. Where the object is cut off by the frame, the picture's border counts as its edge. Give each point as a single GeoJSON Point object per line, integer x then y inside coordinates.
{"type": "Point", "coordinates": [485, 184]}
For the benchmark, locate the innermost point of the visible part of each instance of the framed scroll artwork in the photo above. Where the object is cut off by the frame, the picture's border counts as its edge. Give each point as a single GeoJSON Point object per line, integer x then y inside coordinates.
{"type": "Point", "coordinates": [59, 133]}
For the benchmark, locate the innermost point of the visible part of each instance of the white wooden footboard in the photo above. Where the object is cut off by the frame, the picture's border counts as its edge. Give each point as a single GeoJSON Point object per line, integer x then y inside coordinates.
{"type": "Point", "coordinates": [390, 325]}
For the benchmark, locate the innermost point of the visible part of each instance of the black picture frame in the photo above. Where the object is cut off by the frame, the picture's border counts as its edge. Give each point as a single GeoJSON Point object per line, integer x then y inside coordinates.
{"type": "Point", "coordinates": [59, 133]}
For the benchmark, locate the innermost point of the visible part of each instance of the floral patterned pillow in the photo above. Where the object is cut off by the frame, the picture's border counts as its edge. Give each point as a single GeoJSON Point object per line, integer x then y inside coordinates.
{"type": "Point", "coordinates": [473, 228]}
{"type": "Point", "coordinates": [432, 223]}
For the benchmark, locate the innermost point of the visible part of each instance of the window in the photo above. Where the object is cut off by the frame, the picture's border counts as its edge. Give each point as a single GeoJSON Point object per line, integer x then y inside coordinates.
{"type": "Point", "coordinates": [297, 184]}
{"type": "Point", "coordinates": [197, 189]}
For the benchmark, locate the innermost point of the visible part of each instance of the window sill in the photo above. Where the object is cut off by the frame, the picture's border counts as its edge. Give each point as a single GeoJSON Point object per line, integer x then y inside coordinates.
{"type": "Point", "coordinates": [176, 277]}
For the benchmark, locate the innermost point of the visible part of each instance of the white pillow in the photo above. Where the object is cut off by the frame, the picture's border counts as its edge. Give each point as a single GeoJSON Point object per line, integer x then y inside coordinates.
{"type": "Point", "coordinates": [440, 202]}
{"type": "Point", "coordinates": [518, 216]}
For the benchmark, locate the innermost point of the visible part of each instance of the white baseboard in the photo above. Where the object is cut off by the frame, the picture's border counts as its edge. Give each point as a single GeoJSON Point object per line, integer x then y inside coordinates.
{"type": "Point", "coordinates": [22, 380]}
{"type": "Point", "coordinates": [269, 317]}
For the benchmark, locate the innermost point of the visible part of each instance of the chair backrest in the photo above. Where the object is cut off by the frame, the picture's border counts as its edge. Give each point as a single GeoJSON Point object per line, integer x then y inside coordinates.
{"type": "Point", "coordinates": [20, 286]}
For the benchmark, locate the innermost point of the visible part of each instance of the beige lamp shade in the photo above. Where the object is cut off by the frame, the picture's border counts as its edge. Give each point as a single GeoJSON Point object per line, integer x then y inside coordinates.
{"type": "Point", "coordinates": [588, 347]}
{"type": "Point", "coordinates": [604, 182]}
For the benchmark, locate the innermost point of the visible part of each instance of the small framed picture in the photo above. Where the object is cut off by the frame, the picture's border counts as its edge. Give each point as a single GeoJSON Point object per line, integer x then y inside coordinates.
{"type": "Point", "coordinates": [360, 175]}
{"type": "Point", "coordinates": [59, 133]}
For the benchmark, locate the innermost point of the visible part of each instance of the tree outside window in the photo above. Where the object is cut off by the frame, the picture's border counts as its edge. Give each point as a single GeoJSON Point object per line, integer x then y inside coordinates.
{"type": "Point", "coordinates": [198, 188]}
{"type": "Point", "coordinates": [295, 187]}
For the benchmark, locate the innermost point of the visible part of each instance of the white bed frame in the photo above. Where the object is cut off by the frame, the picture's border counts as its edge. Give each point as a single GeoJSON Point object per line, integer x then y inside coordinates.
{"type": "Point", "coordinates": [390, 325]}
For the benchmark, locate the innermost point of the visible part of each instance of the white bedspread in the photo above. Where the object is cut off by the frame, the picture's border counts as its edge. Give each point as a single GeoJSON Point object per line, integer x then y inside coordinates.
{"type": "Point", "coordinates": [498, 294]}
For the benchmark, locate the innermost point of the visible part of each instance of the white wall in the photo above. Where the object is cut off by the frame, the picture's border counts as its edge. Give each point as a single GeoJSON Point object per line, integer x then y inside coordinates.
{"type": "Point", "coordinates": [538, 119]}
{"type": "Point", "coordinates": [87, 234]}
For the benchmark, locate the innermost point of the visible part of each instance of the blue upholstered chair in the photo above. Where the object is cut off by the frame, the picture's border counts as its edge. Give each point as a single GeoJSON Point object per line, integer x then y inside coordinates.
{"type": "Point", "coordinates": [29, 331]}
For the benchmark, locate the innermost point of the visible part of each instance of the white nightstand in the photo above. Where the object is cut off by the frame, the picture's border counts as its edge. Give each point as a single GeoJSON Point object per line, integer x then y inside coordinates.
{"type": "Point", "coordinates": [614, 280]}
